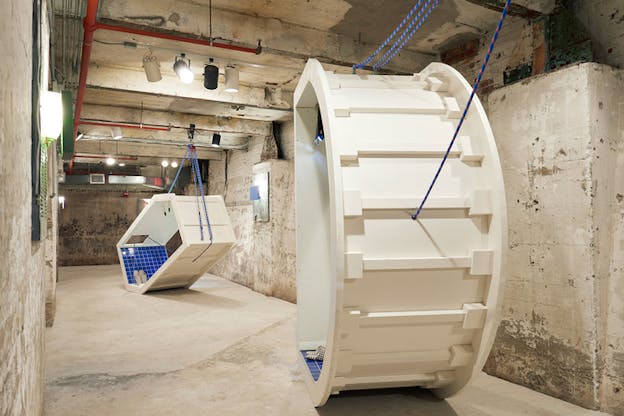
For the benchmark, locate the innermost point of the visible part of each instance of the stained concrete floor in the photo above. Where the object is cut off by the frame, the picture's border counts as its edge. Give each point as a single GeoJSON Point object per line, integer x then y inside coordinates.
{"type": "Point", "coordinates": [216, 349]}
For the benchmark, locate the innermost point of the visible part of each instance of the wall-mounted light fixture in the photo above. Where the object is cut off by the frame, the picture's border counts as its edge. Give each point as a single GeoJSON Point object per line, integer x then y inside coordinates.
{"type": "Point", "coordinates": [174, 164]}
{"type": "Point", "coordinates": [182, 68]}
{"type": "Point", "coordinates": [151, 66]}
{"type": "Point", "coordinates": [51, 114]}
{"type": "Point", "coordinates": [216, 140]}
{"type": "Point", "coordinates": [231, 79]}
{"type": "Point", "coordinates": [211, 76]}
{"type": "Point", "coordinates": [110, 161]}
{"type": "Point", "coordinates": [164, 163]}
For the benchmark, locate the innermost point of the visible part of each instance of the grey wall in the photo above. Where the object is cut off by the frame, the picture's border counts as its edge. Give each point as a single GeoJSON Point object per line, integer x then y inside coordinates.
{"type": "Point", "coordinates": [23, 270]}
{"type": "Point", "coordinates": [263, 258]}
{"type": "Point", "coordinates": [93, 221]}
{"type": "Point", "coordinates": [561, 150]}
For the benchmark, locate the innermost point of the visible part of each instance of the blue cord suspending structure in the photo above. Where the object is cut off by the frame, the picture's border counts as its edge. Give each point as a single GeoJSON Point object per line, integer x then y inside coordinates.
{"type": "Point", "coordinates": [390, 37]}
{"type": "Point", "coordinates": [463, 117]}
{"type": "Point", "coordinates": [191, 155]}
{"type": "Point", "coordinates": [406, 36]}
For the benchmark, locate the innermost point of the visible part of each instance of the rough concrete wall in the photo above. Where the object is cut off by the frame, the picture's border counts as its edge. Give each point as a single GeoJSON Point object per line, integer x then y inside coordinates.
{"type": "Point", "coordinates": [92, 223]}
{"type": "Point", "coordinates": [607, 131]}
{"type": "Point", "coordinates": [604, 19]}
{"type": "Point", "coordinates": [554, 144]}
{"type": "Point", "coordinates": [51, 241]}
{"type": "Point", "coordinates": [22, 272]}
{"type": "Point", "coordinates": [287, 139]}
{"type": "Point", "coordinates": [521, 42]}
{"type": "Point", "coordinates": [263, 258]}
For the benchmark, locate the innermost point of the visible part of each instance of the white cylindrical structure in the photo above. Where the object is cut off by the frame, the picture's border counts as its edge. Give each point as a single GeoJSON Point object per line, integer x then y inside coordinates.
{"type": "Point", "coordinates": [231, 79]}
{"type": "Point", "coordinates": [152, 68]}
{"type": "Point", "coordinates": [396, 302]}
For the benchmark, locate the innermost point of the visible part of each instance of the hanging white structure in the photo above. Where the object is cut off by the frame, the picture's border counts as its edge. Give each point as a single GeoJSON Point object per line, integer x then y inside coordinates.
{"type": "Point", "coordinates": [168, 246]}
{"type": "Point", "coordinates": [395, 302]}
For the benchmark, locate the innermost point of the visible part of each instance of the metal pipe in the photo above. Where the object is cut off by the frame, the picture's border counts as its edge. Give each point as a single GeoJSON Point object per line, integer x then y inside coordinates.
{"type": "Point", "coordinates": [177, 38]}
{"type": "Point", "coordinates": [123, 125]}
{"type": "Point", "coordinates": [89, 24]}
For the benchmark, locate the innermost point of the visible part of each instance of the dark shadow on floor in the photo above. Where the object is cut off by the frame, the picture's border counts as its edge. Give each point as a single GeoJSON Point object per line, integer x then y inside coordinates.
{"type": "Point", "coordinates": [386, 402]}
{"type": "Point", "coordinates": [196, 297]}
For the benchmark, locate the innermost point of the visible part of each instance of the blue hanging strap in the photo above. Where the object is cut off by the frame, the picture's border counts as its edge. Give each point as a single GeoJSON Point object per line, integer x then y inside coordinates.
{"type": "Point", "coordinates": [191, 156]}
{"type": "Point", "coordinates": [406, 35]}
{"type": "Point", "coordinates": [463, 117]}
{"type": "Point", "coordinates": [389, 38]}
{"type": "Point", "coordinates": [175, 180]}
{"type": "Point", "coordinates": [197, 175]}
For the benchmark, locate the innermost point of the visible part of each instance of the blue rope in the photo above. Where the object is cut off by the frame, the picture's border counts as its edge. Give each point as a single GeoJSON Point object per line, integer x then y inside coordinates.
{"type": "Point", "coordinates": [389, 38]}
{"type": "Point", "coordinates": [191, 155]}
{"type": "Point", "coordinates": [406, 36]}
{"type": "Point", "coordinates": [203, 198]}
{"type": "Point", "coordinates": [175, 180]}
{"type": "Point", "coordinates": [463, 117]}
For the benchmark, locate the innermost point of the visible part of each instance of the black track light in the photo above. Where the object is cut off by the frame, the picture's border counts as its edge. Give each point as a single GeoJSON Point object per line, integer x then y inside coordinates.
{"type": "Point", "coordinates": [211, 76]}
{"type": "Point", "coordinates": [216, 140]}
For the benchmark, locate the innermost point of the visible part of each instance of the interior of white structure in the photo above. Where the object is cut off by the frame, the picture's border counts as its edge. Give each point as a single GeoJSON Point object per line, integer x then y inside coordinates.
{"type": "Point", "coordinates": [151, 242]}
{"type": "Point", "coordinates": [315, 262]}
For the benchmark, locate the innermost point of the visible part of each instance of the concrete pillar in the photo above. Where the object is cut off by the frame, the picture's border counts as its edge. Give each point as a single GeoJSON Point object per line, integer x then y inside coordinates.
{"type": "Point", "coordinates": [561, 332]}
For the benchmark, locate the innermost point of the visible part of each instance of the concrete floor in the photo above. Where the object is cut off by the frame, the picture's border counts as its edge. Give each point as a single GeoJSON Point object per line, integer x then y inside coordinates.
{"type": "Point", "coordinates": [217, 349]}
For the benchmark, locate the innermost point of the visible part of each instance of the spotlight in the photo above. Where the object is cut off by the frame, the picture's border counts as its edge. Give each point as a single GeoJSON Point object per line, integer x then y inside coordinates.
{"type": "Point", "coordinates": [231, 79]}
{"type": "Point", "coordinates": [174, 164]}
{"type": "Point", "coordinates": [216, 140]}
{"type": "Point", "coordinates": [151, 66]}
{"type": "Point", "coordinates": [116, 133]}
{"type": "Point", "coordinates": [110, 161]}
{"type": "Point", "coordinates": [211, 76]}
{"type": "Point", "coordinates": [164, 163]}
{"type": "Point", "coordinates": [182, 67]}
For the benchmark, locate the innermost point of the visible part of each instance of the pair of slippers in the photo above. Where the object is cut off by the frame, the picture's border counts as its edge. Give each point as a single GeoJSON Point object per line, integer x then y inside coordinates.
{"type": "Point", "coordinates": [317, 355]}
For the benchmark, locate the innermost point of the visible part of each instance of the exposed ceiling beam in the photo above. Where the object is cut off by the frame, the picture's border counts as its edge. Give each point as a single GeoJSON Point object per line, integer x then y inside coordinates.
{"type": "Point", "coordinates": [133, 80]}
{"type": "Point", "coordinates": [278, 37]}
{"type": "Point", "coordinates": [224, 125]}
{"type": "Point", "coordinates": [128, 149]}
{"type": "Point", "coordinates": [158, 101]}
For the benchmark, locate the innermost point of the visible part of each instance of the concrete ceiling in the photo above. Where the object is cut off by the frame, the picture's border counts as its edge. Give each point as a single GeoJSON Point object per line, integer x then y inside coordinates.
{"type": "Point", "coordinates": [338, 32]}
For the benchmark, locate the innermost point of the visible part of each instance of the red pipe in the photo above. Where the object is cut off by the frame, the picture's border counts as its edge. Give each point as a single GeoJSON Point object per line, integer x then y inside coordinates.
{"type": "Point", "coordinates": [178, 38]}
{"type": "Point", "coordinates": [89, 24]}
{"type": "Point", "coordinates": [124, 125]}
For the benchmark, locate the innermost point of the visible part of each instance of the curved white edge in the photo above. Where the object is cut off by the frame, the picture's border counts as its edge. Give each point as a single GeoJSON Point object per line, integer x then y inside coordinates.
{"type": "Point", "coordinates": [460, 88]}
{"type": "Point", "coordinates": [315, 75]}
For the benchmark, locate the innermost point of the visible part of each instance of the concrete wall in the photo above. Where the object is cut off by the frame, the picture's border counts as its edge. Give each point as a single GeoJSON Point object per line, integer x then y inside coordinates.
{"type": "Point", "coordinates": [93, 221]}
{"type": "Point", "coordinates": [561, 333]}
{"type": "Point", "coordinates": [604, 19]}
{"type": "Point", "coordinates": [263, 259]}
{"type": "Point", "coordinates": [23, 262]}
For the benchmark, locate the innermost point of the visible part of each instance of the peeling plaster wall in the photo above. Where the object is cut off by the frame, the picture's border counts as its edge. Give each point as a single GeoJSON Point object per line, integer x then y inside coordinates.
{"type": "Point", "coordinates": [605, 20]}
{"type": "Point", "coordinates": [557, 141]}
{"type": "Point", "coordinates": [92, 223]}
{"type": "Point", "coordinates": [23, 272]}
{"type": "Point", "coordinates": [263, 259]}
